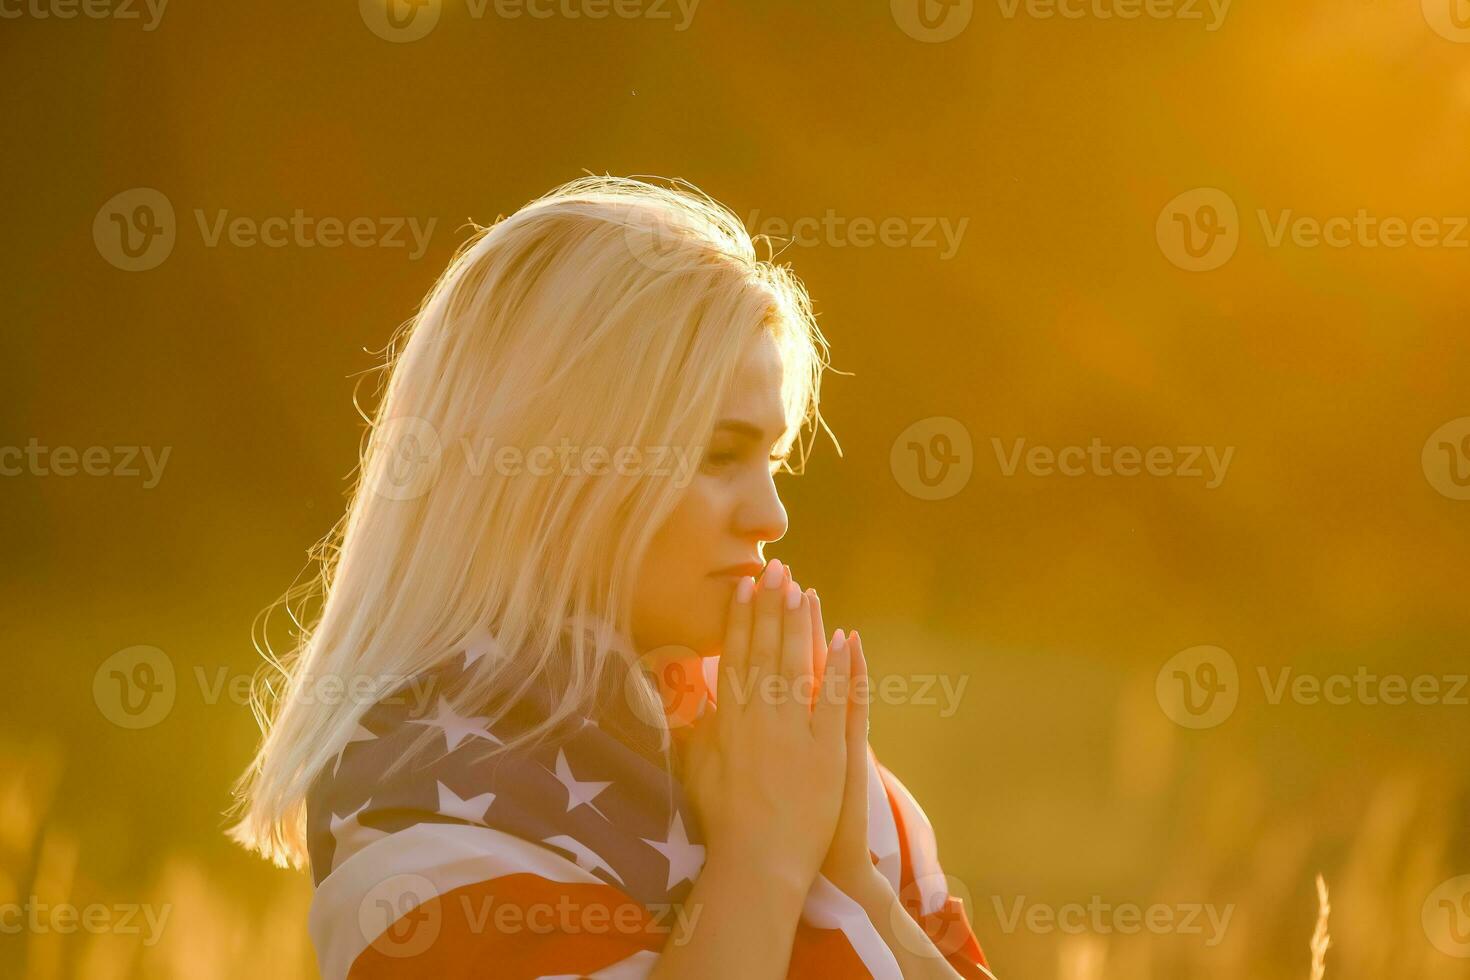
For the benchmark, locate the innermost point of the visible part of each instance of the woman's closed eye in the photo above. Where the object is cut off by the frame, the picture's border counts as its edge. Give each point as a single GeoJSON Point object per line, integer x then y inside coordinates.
{"type": "Point", "coordinates": [727, 457]}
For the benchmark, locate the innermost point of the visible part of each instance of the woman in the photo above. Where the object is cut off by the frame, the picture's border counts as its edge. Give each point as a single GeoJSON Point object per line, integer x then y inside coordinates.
{"type": "Point", "coordinates": [506, 747]}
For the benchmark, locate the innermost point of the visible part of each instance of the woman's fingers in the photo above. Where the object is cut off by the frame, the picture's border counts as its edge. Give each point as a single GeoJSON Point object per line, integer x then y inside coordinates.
{"type": "Point", "coordinates": [735, 656]}
{"type": "Point", "coordinates": [776, 629]}
{"type": "Point", "coordinates": [857, 711]}
{"type": "Point", "coordinates": [796, 648]}
{"type": "Point", "coordinates": [829, 717]}
{"type": "Point", "coordinates": [765, 640]}
{"type": "Point", "coordinates": [819, 644]}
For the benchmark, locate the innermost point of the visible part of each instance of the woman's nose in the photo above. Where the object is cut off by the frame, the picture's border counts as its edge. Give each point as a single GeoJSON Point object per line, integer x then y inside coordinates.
{"type": "Point", "coordinates": [762, 515]}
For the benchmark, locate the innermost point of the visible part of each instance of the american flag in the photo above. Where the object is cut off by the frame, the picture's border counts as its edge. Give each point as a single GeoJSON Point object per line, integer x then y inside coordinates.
{"type": "Point", "coordinates": [569, 859]}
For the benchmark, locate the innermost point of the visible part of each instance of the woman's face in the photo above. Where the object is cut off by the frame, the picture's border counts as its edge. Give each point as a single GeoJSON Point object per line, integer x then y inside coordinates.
{"type": "Point", "coordinates": [726, 515]}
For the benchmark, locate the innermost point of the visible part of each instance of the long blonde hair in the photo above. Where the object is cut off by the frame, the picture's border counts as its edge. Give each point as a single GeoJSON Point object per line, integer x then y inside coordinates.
{"type": "Point", "coordinates": [610, 312]}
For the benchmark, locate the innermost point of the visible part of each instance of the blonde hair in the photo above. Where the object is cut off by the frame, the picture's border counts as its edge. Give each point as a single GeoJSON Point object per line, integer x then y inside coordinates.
{"type": "Point", "coordinates": [611, 313]}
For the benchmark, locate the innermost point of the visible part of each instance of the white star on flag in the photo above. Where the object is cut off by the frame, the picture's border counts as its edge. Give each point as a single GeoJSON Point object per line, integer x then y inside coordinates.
{"type": "Point", "coordinates": [479, 643]}
{"type": "Point", "coordinates": [350, 834]}
{"type": "Point", "coordinates": [685, 859]}
{"type": "Point", "coordinates": [579, 793]}
{"type": "Point", "coordinates": [359, 735]}
{"type": "Point", "coordinates": [456, 728]}
{"type": "Point", "coordinates": [470, 808]}
{"type": "Point", "coordinates": [587, 859]}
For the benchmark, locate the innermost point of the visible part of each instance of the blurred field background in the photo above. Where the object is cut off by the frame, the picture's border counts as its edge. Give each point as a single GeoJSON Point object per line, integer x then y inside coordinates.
{"type": "Point", "coordinates": [1062, 316]}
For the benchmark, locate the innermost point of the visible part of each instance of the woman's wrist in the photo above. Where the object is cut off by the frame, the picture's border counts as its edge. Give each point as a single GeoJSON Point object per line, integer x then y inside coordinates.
{"type": "Point", "coordinates": [744, 916]}
{"type": "Point", "coordinates": [783, 881]}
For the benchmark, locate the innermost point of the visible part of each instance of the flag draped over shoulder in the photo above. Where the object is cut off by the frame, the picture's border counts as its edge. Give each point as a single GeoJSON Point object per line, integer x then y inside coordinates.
{"type": "Point", "coordinates": [569, 859]}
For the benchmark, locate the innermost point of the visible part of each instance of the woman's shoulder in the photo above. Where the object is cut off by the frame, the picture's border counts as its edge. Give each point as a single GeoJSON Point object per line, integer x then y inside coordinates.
{"type": "Point", "coordinates": [421, 756]}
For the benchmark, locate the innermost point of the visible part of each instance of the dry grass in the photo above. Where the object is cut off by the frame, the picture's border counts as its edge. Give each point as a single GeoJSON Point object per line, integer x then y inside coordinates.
{"type": "Point", "coordinates": [1320, 939]}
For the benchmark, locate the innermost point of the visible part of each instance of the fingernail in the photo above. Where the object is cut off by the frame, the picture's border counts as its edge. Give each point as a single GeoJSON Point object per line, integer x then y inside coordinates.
{"type": "Point", "coordinates": [788, 572]}
{"type": "Point", "coordinates": [793, 596]}
{"type": "Point", "coordinates": [744, 588]}
{"type": "Point", "coordinates": [771, 577]}
{"type": "Point", "coordinates": [839, 641]}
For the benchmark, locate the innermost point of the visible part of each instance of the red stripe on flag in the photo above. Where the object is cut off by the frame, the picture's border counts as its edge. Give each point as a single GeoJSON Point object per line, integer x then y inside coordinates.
{"type": "Point", "coordinates": [515, 926]}
{"type": "Point", "coordinates": [824, 954]}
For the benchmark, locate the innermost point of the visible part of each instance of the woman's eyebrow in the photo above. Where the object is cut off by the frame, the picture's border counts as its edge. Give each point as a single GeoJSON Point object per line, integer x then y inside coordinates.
{"type": "Point", "coordinates": [741, 426]}
{"type": "Point", "coordinates": [747, 429]}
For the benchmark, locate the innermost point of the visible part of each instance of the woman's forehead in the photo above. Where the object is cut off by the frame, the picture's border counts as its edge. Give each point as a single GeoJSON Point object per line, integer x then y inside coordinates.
{"type": "Point", "coordinates": [754, 396]}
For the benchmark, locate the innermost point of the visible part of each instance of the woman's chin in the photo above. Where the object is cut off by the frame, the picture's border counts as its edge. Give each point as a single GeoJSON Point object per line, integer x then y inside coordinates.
{"type": "Point", "coordinates": [690, 643]}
